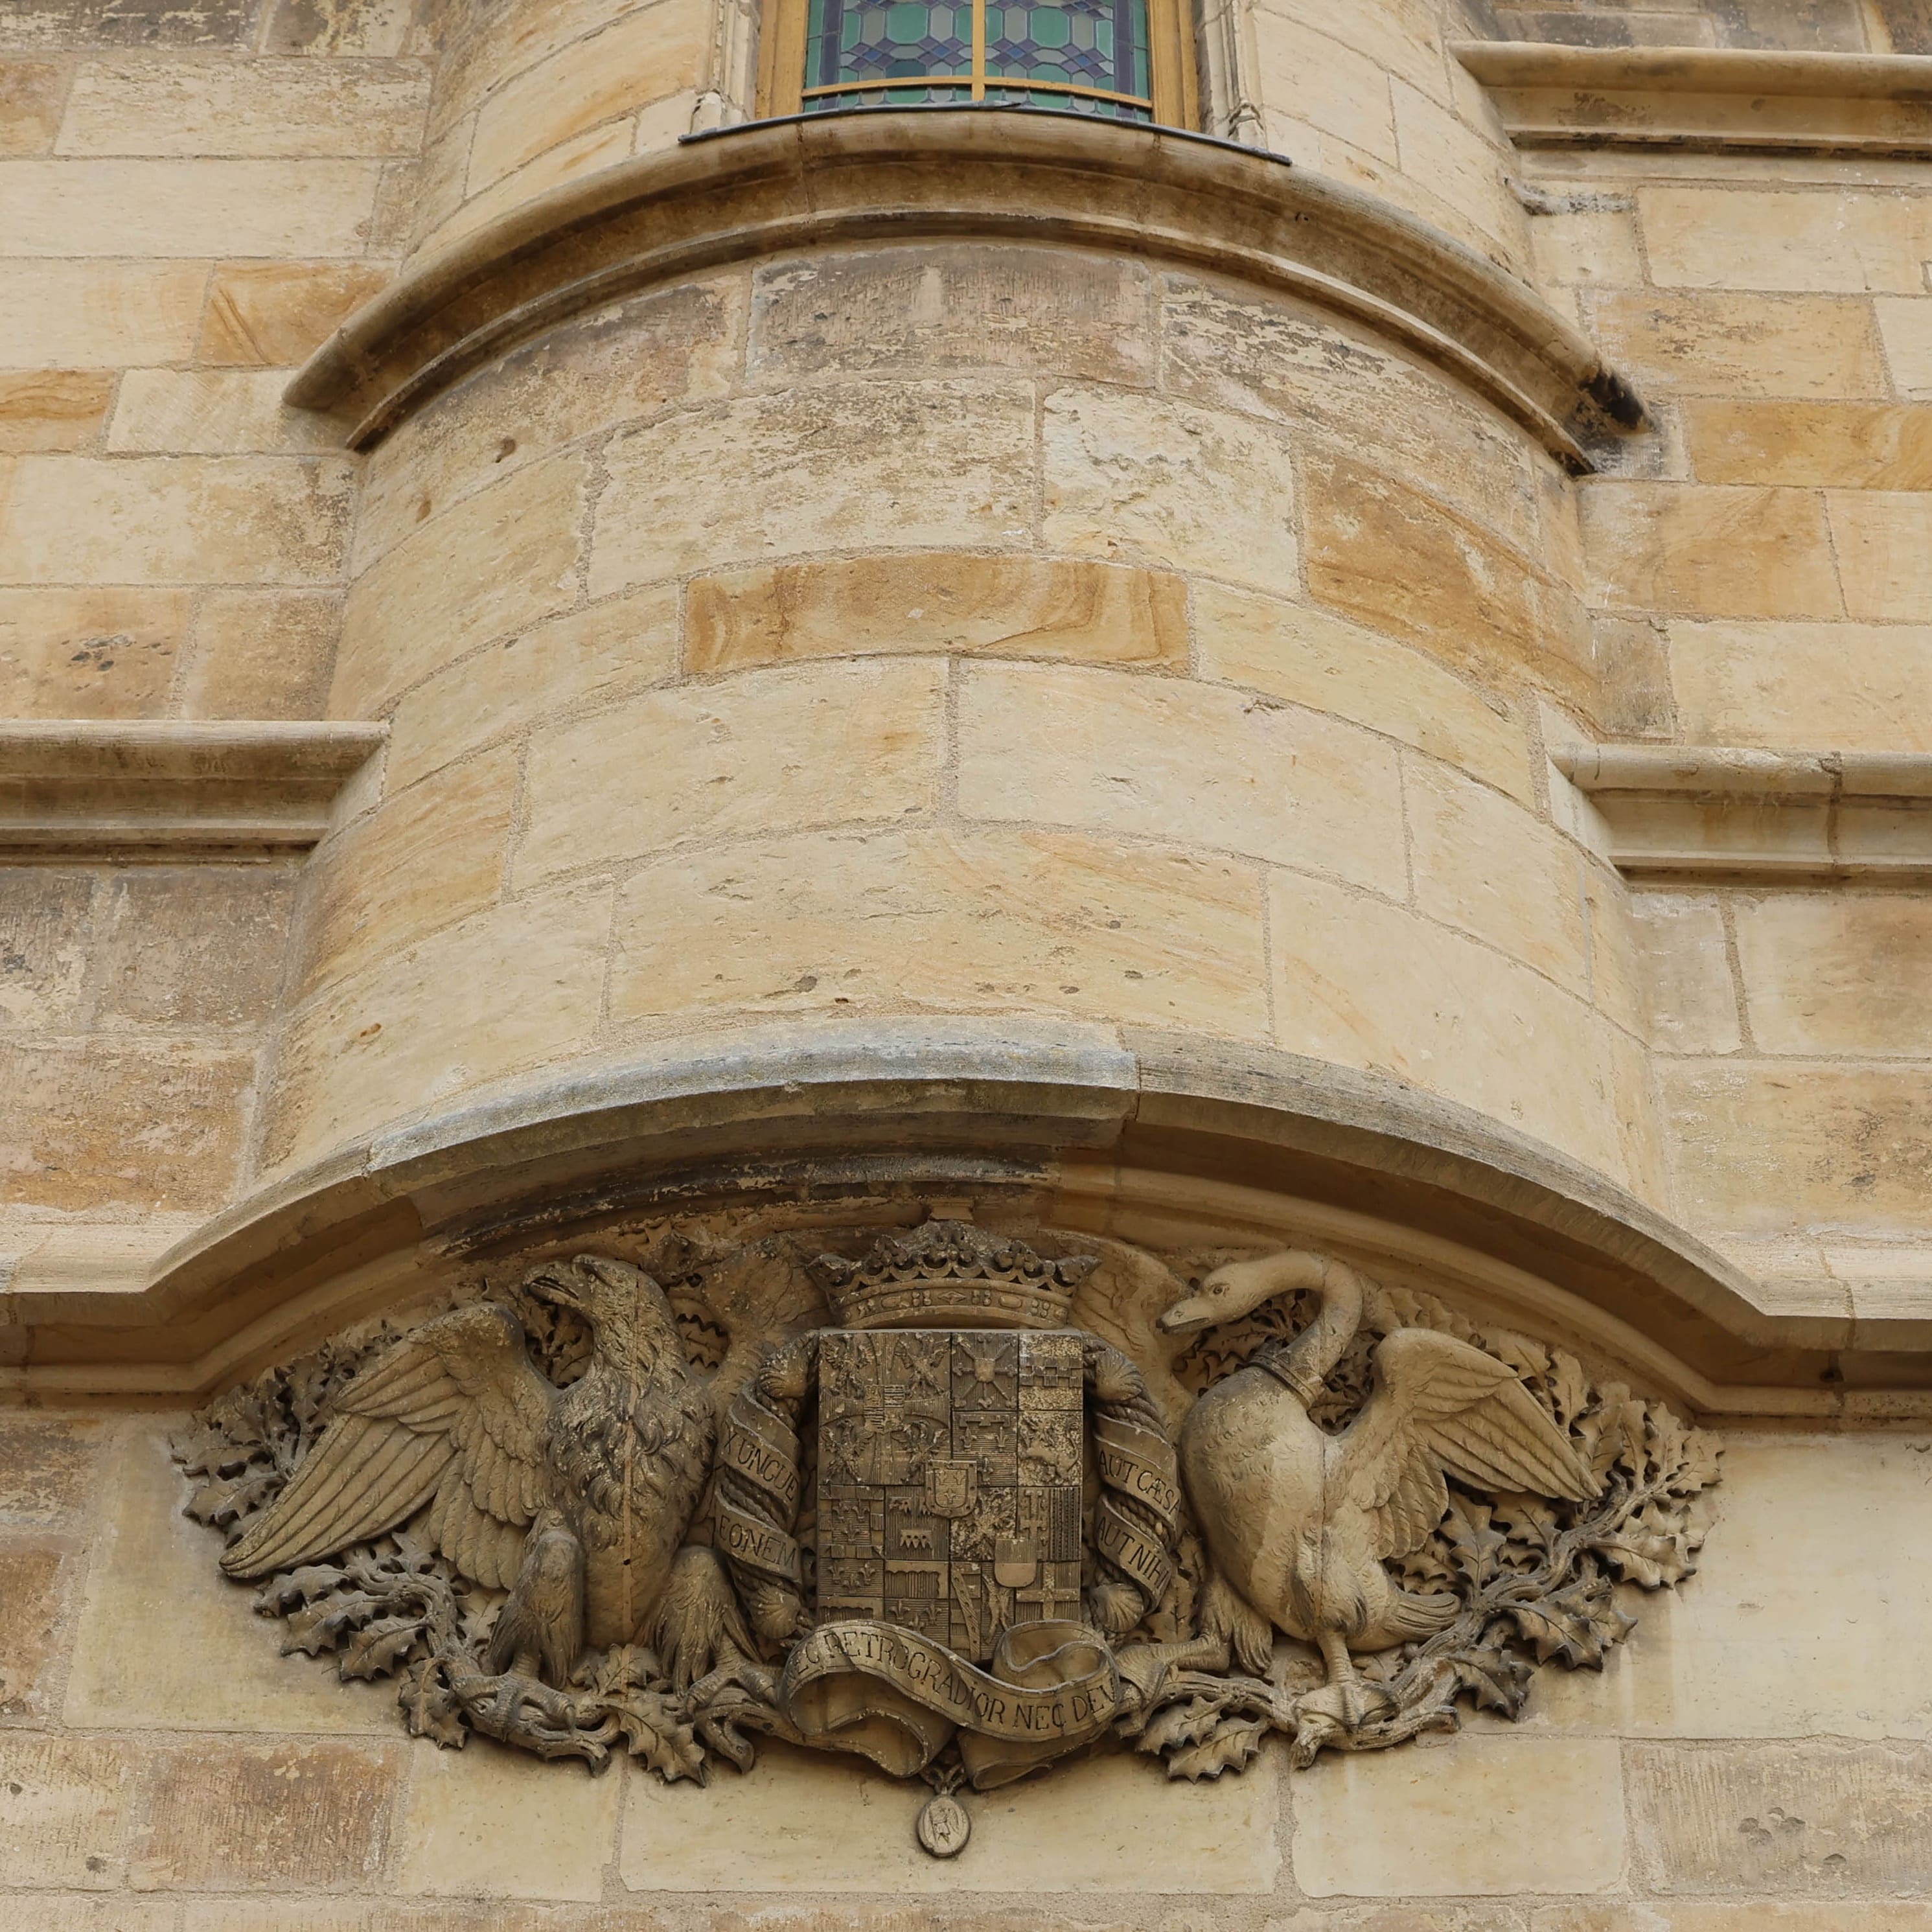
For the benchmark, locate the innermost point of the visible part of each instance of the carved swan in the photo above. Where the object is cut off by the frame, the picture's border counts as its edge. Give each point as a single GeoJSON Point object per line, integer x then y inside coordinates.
{"type": "Point", "coordinates": [1298, 1521]}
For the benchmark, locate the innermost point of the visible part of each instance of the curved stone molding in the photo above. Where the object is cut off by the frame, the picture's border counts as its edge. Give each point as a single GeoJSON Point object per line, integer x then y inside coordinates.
{"type": "Point", "coordinates": [773, 185]}
{"type": "Point", "coordinates": [1135, 1136]}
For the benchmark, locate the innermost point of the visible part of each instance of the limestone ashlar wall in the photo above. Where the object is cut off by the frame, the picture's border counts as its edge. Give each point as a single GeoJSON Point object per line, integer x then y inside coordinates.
{"type": "Point", "coordinates": [1764, 578]}
{"type": "Point", "coordinates": [1751, 1761]}
{"type": "Point", "coordinates": [1816, 26]}
{"type": "Point", "coordinates": [963, 628]}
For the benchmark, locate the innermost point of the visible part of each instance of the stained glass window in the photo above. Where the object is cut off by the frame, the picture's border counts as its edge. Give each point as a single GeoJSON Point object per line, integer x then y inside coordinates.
{"type": "Point", "coordinates": [1081, 56]}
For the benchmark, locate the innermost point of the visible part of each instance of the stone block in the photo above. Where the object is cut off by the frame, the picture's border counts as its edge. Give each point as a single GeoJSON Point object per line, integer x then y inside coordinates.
{"type": "Point", "coordinates": [53, 408]}
{"type": "Point", "coordinates": [1462, 166]}
{"type": "Point", "coordinates": [1733, 237]}
{"type": "Point", "coordinates": [226, 1814]}
{"type": "Point", "coordinates": [90, 653]}
{"type": "Point", "coordinates": [1633, 668]}
{"type": "Point", "coordinates": [1723, 344]}
{"type": "Point", "coordinates": [1784, 684]}
{"type": "Point", "coordinates": [64, 24]}
{"type": "Point", "coordinates": [372, 28]}
{"type": "Point", "coordinates": [1183, 763]}
{"type": "Point", "coordinates": [1710, 552]}
{"type": "Point", "coordinates": [911, 465]}
{"type": "Point", "coordinates": [66, 208]}
{"type": "Point", "coordinates": [1883, 538]}
{"type": "Point", "coordinates": [428, 855]}
{"type": "Point", "coordinates": [1336, 87]}
{"type": "Point", "coordinates": [101, 315]}
{"type": "Point", "coordinates": [812, 1821]}
{"type": "Point", "coordinates": [1758, 1914]}
{"type": "Point", "coordinates": [1693, 1002]}
{"type": "Point", "coordinates": [31, 96]}
{"type": "Point", "coordinates": [1838, 973]}
{"type": "Point", "coordinates": [275, 314]}
{"type": "Point", "coordinates": [643, 53]}
{"type": "Point", "coordinates": [1144, 479]}
{"type": "Point", "coordinates": [600, 148]}
{"type": "Point", "coordinates": [1820, 1818]}
{"type": "Point", "coordinates": [47, 1465]}
{"type": "Point", "coordinates": [312, 109]}
{"type": "Point", "coordinates": [1763, 1145]}
{"type": "Point", "coordinates": [1295, 651]}
{"type": "Point", "coordinates": [211, 412]}
{"type": "Point", "coordinates": [489, 1822]}
{"type": "Point", "coordinates": [45, 912]}
{"type": "Point", "coordinates": [1295, 366]}
{"type": "Point", "coordinates": [33, 1593]}
{"type": "Point", "coordinates": [191, 948]}
{"type": "Point", "coordinates": [148, 1123]}
{"type": "Point", "coordinates": [1488, 867]}
{"type": "Point", "coordinates": [590, 656]}
{"type": "Point", "coordinates": [1488, 1817]}
{"type": "Point", "coordinates": [765, 751]}
{"type": "Point", "coordinates": [840, 922]}
{"type": "Point", "coordinates": [262, 654]}
{"type": "Point", "coordinates": [439, 1018]}
{"type": "Point", "coordinates": [620, 364]}
{"type": "Point", "coordinates": [1843, 445]}
{"type": "Point", "coordinates": [165, 1642]}
{"type": "Point", "coordinates": [955, 305]}
{"type": "Point", "coordinates": [938, 601]}
{"type": "Point", "coordinates": [1409, 566]}
{"type": "Point", "coordinates": [1593, 245]}
{"type": "Point", "coordinates": [1905, 325]}
{"type": "Point", "coordinates": [63, 1801]}
{"type": "Point", "coordinates": [492, 565]}
{"type": "Point", "coordinates": [176, 519]}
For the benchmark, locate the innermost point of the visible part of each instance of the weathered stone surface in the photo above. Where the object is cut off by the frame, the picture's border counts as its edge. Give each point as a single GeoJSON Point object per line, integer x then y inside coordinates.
{"type": "Point", "coordinates": [1820, 1818]}
{"type": "Point", "coordinates": [90, 653]}
{"type": "Point", "coordinates": [376, 28]}
{"type": "Point", "coordinates": [765, 751]}
{"type": "Point", "coordinates": [273, 314]}
{"type": "Point", "coordinates": [122, 23]}
{"type": "Point", "coordinates": [1732, 237]}
{"type": "Point", "coordinates": [1179, 761]}
{"type": "Point", "coordinates": [1693, 1005]}
{"type": "Point", "coordinates": [600, 148]}
{"type": "Point", "coordinates": [31, 95]}
{"type": "Point", "coordinates": [1295, 651]}
{"type": "Point", "coordinates": [191, 948]}
{"type": "Point", "coordinates": [1463, 167]}
{"type": "Point", "coordinates": [1742, 345]}
{"type": "Point", "coordinates": [1595, 244]}
{"type": "Point", "coordinates": [211, 412]}
{"type": "Point", "coordinates": [100, 315]}
{"type": "Point", "coordinates": [44, 912]}
{"type": "Point", "coordinates": [1487, 1817]}
{"type": "Point", "coordinates": [808, 1822]}
{"type": "Point", "coordinates": [62, 1802]}
{"type": "Point", "coordinates": [262, 654]}
{"type": "Point", "coordinates": [176, 519]}
{"type": "Point", "coordinates": [226, 1815]}
{"type": "Point", "coordinates": [1142, 479]}
{"type": "Point", "coordinates": [909, 464]}
{"type": "Point", "coordinates": [1710, 552]}
{"type": "Point", "coordinates": [494, 564]}
{"type": "Point", "coordinates": [1352, 102]}
{"type": "Point", "coordinates": [47, 1466]}
{"type": "Point", "coordinates": [165, 1642]}
{"type": "Point", "coordinates": [1634, 670]}
{"type": "Point", "coordinates": [1883, 539]}
{"type": "Point", "coordinates": [1784, 684]}
{"type": "Point", "coordinates": [32, 1591]}
{"type": "Point", "coordinates": [591, 655]}
{"type": "Point", "coordinates": [1846, 445]}
{"type": "Point", "coordinates": [1838, 973]}
{"type": "Point", "coordinates": [313, 109]}
{"type": "Point", "coordinates": [492, 1823]}
{"type": "Point", "coordinates": [53, 408]}
{"type": "Point", "coordinates": [1905, 326]}
{"type": "Point", "coordinates": [938, 601]}
{"type": "Point", "coordinates": [1030, 920]}
{"type": "Point", "coordinates": [952, 306]}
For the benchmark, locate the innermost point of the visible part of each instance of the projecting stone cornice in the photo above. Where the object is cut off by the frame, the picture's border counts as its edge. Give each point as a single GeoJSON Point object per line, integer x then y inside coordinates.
{"type": "Point", "coordinates": [1550, 96]}
{"type": "Point", "coordinates": [1092, 1129]}
{"type": "Point", "coordinates": [81, 788]}
{"type": "Point", "coordinates": [1175, 199]}
{"type": "Point", "coordinates": [1674, 810]}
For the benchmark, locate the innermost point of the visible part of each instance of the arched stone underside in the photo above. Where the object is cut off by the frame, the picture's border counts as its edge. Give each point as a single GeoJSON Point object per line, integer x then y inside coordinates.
{"type": "Point", "coordinates": [1171, 1140]}
{"type": "Point", "coordinates": [964, 173]}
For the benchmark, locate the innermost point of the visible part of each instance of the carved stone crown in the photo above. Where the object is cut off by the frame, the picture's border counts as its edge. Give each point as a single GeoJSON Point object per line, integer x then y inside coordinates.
{"type": "Point", "coordinates": [950, 1274]}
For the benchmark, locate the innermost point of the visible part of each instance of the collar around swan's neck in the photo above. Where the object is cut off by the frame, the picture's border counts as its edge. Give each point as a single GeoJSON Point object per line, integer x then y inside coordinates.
{"type": "Point", "coordinates": [1304, 1365]}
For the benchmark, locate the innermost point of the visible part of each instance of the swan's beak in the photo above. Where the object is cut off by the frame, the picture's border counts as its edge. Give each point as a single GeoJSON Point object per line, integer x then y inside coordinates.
{"type": "Point", "coordinates": [1186, 1317]}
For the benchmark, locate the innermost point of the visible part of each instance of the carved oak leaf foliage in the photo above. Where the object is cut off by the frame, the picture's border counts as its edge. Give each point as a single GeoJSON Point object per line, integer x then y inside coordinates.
{"type": "Point", "coordinates": [1496, 1677]}
{"type": "Point", "coordinates": [1576, 1624]}
{"type": "Point", "coordinates": [430, 1708]}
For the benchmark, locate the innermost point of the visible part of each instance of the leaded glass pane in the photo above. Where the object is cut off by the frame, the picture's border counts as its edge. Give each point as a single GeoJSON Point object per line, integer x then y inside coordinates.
{"type": "Point", "coordinates": [864, 40]}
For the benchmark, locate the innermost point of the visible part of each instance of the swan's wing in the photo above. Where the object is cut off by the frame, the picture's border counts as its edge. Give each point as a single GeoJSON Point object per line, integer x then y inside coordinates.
{"type": "Point", "coordinates": [453, 1415]}
{"type": "Point", "coordinates": [1441, 1405]}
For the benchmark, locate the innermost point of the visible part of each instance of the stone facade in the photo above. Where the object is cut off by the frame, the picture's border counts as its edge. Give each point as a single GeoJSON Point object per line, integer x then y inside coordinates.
{"type": "Point", "coordinates": [560, 679]}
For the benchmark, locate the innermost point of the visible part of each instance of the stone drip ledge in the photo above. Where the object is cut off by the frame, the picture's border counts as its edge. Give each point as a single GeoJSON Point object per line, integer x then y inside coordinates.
{"type": "Point", "coordinates": [83, 788]}
{"type": "Point", "coordinates": [1672, 811]}
{"type": "Point", "coordinates": [1138, 1135]}
{"type": "Point", "coordinates": [1181, 200]}
{"type": "Point", "coordinates": [1704, 99]}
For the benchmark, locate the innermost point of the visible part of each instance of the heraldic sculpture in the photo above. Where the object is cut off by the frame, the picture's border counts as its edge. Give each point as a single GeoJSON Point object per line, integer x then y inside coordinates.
{"type": "Point", "coordinates": [959, 1502]}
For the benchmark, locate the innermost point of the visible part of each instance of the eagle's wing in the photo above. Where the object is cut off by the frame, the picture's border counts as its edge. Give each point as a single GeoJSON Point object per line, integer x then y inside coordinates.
{"type": "Point", "coordinates": [453, 1416]}
{"type": "Point", "coordinates": [761, 1295]}
{"type": "Point", "coordinates": [1439, 1406]}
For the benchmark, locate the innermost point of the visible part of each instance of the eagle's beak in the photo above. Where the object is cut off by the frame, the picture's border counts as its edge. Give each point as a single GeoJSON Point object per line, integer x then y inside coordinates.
{"type": "Point", "coordinates": [558, 1285]}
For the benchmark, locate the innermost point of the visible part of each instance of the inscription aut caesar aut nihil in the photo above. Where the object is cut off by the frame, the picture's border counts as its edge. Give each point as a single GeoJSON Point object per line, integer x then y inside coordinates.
{"type": "Point", "coordinates": [955, 1503]}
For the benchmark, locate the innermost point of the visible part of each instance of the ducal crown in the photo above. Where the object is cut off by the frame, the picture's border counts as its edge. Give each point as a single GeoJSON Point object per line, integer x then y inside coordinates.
{"type": "Point", "coordinates": [950, 1274]}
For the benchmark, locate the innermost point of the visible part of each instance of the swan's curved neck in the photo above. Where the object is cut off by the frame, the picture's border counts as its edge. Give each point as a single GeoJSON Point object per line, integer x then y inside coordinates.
{"type": "Point", "coordinates": [1305, 1364]}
